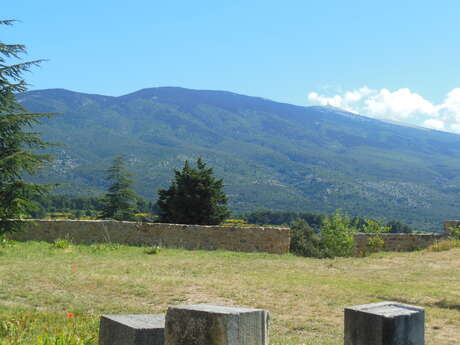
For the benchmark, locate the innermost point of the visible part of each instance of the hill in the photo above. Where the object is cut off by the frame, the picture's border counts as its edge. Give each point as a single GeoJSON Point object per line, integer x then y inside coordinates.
{"type": "Point", "coordinates": [271, 155]}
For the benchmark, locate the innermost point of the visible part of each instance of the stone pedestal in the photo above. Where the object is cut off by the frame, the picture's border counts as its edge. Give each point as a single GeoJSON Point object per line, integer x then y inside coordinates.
{"type": "Point", "coordinates": [203, 324]}
{"type": "Point", "coordinates": [132, 329]}
{"type": "Point", "coordinates": [385, 323]}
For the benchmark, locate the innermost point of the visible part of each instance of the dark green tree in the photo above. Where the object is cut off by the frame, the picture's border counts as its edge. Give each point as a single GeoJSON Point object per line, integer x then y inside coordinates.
{"type": "Point", "coordinates": [304, 240]}
{"type": "Point", "coordinates": [120, 201]}
{"type": "Point", "coordinates": [194, 197]}
{"type": "Point", "coordinates": [18, 142]}
{"type": "Point", "coordinates": [399, 227]}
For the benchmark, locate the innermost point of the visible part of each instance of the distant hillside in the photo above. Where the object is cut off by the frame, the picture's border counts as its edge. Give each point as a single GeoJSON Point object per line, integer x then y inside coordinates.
{"type": "Point", "coordinates": [271, 155]}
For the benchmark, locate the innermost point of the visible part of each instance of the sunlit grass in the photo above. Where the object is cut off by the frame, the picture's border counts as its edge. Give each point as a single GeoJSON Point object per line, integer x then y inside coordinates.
{"type": "Point", "coordinates": [40, 283]}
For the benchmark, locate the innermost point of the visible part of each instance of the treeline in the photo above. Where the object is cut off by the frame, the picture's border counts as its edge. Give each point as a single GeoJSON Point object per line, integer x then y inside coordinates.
{"type": "Point", "coordinates": [49, 206]}
{"type": "Point", "coordinates": [315, 220]}
{"type": "Point", "coordinates": [89, 208]}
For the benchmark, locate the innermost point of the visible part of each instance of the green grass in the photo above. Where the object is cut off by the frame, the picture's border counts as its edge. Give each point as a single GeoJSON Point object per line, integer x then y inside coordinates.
{"type": "Point", "coordinates": [40, 283]}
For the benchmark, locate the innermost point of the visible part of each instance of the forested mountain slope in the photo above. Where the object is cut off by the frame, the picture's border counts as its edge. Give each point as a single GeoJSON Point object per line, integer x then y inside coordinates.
{"type": "Point", "coordinates": [271, 155]}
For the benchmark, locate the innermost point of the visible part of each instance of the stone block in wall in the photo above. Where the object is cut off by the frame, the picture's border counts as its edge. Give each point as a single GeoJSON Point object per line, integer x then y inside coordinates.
{"type": "Point", "coordinates": [132, 329]}
{"type": "Point", "coordinates": [385, 323]}
{"type": "Point", "coordinates": [203, 324]}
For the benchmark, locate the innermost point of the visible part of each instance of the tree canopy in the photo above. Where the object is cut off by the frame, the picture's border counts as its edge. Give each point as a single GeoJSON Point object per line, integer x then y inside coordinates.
{"type": "Point", "coordinates": [194, 197]}
{"type": "Point", "coordinates": [18, 142]}
{"type": "Point", "coordinates": [120, 200]}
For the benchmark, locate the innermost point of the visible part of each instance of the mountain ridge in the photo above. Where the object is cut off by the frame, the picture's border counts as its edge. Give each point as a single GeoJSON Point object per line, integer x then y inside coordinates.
{"type": "Point", "coordinates": [270, 154]}
{"type": "Point", "coordinates": [175, 88]}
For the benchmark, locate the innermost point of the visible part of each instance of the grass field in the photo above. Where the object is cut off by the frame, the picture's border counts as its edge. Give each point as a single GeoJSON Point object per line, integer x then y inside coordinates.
{"type": "Point", "coordinates": [54, 294]}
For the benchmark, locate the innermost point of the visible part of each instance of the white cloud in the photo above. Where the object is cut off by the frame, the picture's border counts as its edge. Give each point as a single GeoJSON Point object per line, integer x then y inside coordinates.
{"type": "Point", "coordinates": [399, 105]}
{"type": "Point", "coordinates": [434, 124]}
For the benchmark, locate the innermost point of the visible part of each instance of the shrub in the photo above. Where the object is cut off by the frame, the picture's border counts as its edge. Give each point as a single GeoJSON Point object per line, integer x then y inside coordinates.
{"type": "Point", "coordinates": [304, 240]}
{"type": "Point", "coordinates": [6, 242]}
{"type": "Point", "coordinates": [455, 233]}
{"type": "Point", "coordinates": [152, 250]}
{"type": "Point", "coordinates": [61, 244]}
{"type": "Point", "coordinates": [334, 239]}
{"type": "Point", "coordinates": [444, 245]}
{"type": "Point", "coordinates": [375, 243]}
{"type": "Point", "coordinates": [372, 226]}
{"type": "Point", "coordinates": [337, 235]}
{"type": "Point", "coordinates": [396, 227]}
{"type": "Point", "coordinates": [145, 217]}
{"type": "Point", "coordinates": [453, 241]}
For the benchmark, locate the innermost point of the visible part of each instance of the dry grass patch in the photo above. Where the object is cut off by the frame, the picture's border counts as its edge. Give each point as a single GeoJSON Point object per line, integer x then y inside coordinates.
{"type": "Point", "coordinates": [305, 296]}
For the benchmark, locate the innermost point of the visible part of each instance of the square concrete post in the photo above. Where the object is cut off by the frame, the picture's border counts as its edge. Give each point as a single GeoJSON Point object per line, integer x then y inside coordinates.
{"type": "Point", "coordinates": [132, 329]}
{"type": "Point", "coordinates": [385, 323]}
{"type": "Point", "coordinates": [202, 324]}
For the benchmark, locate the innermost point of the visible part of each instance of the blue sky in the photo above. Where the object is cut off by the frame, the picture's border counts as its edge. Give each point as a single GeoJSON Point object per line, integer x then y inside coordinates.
{"type": "Point", "coordinates": [394, 60]}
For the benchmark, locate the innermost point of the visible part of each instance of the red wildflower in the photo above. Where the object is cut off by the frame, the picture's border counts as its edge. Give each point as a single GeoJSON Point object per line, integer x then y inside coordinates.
{"type": "Point", "coordinates": [69, 314]}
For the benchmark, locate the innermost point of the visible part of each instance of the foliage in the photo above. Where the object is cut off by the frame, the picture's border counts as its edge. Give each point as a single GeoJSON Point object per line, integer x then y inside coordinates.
{"type": "Point", "coordinates": [61, 243]}
{"type": "Point", "coordinates": [376, 242]}
{"type": "Point", "coordinates": [194, 197]}
{"type": "Point", "coordinates": [316, 221]}
{"type": "Point", "coordinates": [6, 242]}
{"type": "Point", "coordinates": [304, 240]}
{"type": "Point", "coordinates": [455, 232]}
{"type": "Point", "coordinates": [89, 207]}
{"type": "Point", "coordinates": [444, 245]}
{"type": "Point", "coordinates": [268, 217]}
{"type": "Point", "coordinates": [120, 201]}
{"type": "Point", "coordinates": [397, 227]}
{"type": "Point", "coordinates": [38, 328]}
{"type": "Point", "coordinates": [59, 215]}
{"type": "Point", "coordinates": [17, 141]}
{"type": "Point", "coordinates": [152, 250]}
{"type": "Point", "coordinates": [235, 222]}
{"type": "Point", "coordinates": [145, 217]}
{"type": "Point", "coordinates": [337, 235]}
{"type": "Point", "coordinates": [62, 203]}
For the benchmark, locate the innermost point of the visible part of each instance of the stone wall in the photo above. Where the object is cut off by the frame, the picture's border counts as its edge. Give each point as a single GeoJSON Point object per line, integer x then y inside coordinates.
{"type": "Point", "coordinates": [245, 239]}
{"type": "Point", "coordinates": [397, 242]}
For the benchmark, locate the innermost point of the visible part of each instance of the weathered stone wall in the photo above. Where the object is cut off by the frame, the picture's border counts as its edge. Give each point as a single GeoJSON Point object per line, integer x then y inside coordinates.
{"type": "Point", "coordinates": [397, 242]}
{"type": "Point", "coordinates": [245, 239]}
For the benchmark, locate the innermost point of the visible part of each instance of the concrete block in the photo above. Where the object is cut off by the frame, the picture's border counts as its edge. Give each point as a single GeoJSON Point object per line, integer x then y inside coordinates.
{"type": "Point", "coordinates": [202, 324]}
{"type": "Point", "coordinates": [132, 329]}
{"type": "Point", "coordinates": [385, 323]}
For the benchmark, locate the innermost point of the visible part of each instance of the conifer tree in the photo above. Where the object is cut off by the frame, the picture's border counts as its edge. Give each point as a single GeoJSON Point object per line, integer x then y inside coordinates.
{"type": "Point", "coordinates": [120, 199]}
{"type": "Point", "coordinates": [18, 143]}
{"type": "Point", "coordinates": [194, 197]}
